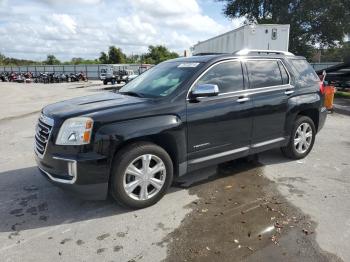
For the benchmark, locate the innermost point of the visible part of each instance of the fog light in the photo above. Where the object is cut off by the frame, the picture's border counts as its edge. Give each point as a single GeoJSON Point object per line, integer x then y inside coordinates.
{"type": "Point", "coordinates": [72, 169]}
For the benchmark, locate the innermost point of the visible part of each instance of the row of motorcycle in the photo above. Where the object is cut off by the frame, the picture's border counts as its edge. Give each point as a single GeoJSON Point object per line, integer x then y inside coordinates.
{"type": "Point", "coordinates": [46, 78]}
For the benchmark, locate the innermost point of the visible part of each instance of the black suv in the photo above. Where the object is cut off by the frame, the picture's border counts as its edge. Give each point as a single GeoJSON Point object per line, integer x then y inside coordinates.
{"type": "Point", "coordinates": [179, 116]}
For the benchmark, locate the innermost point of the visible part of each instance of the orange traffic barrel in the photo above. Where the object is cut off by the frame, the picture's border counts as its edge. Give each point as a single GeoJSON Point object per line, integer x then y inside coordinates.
{"type": "Point", "coordinates": [329, 97]}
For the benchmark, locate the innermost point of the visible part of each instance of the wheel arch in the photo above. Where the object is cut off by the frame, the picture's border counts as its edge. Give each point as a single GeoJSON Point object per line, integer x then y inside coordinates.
{"type": "Point", "coordinates": [165, 131]}
{"type": "Point", "coordinates": [313, 113]}
{"type": "Point", "coordinates": [165, 141]}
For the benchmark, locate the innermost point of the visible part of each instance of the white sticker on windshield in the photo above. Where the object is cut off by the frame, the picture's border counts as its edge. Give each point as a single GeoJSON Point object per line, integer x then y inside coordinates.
{"type": "Point", "coordinates": [188, 65]}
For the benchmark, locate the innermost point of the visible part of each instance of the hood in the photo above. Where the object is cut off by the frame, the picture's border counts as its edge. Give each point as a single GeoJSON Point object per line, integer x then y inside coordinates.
{"type": "Point", "coordinates": [90, 104]}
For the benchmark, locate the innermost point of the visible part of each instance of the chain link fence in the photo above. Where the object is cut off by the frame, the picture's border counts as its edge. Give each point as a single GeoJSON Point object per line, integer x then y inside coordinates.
{"type": "Point", "coordinates": [321, 66]}
{"type": "Point", "coordinates": [91, 71]}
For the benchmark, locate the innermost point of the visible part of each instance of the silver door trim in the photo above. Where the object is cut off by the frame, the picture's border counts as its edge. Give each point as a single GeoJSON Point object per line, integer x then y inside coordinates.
{"type": "Point", "coordinates": [243, 99]}
{"type": "Point", "coordinates": [235, 151]}
{"type": "Point", "coordinates": [246, 91]}
{"type": "Point", "coordinates": [267, 142]}
{"type": "Point", "coordinates": [289, 92]}
{"type": "Point", "coordinates": [225, 153]}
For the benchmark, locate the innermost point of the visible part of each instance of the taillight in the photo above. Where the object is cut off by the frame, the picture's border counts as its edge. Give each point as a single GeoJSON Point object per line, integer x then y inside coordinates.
{"type": "Point", "coordinates": [322, 89]}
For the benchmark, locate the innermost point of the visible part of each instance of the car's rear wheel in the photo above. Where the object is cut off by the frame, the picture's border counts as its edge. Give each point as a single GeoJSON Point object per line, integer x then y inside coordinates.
{"type": "Point", "coordinates": [302, 138]}
{"type": "Point", "coordinates": [141, 175]}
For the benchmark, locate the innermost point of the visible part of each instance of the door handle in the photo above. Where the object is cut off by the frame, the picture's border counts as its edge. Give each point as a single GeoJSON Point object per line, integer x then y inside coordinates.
{"type": "Point", "coordinates": [243, 99]}
{"type": "Point", "coordinates": [288, 92]}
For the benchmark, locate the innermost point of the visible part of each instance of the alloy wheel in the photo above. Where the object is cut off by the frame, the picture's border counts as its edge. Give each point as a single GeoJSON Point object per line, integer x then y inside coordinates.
{"type": "Point", "coordinates": [303, 138]}
{"type": "Point", "coordinates": [144, 177]}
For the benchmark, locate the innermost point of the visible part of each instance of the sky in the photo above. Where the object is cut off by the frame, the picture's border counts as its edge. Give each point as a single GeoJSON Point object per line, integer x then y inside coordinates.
{"type": "Point", "coordinates": [31, 29]}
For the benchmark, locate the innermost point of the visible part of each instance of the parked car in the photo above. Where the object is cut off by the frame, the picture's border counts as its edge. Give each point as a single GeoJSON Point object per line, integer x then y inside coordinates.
{"type": "Point", "coordinates": [179, 116]}
{"type": "Point", "coordinates": [130, 75]}
{"type": "Point", "coordinates": [113, 74]}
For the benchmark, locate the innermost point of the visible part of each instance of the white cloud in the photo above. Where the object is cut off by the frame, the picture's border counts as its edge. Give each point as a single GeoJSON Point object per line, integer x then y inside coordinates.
{"type": "Point", "coordinates": [65, 21]}
{"type": "Point", "coordinates": [166, 8]}
{"type": "Point", "coordinates": [65, 2]}
{"type": "Point", "coordinates": [131, 30]}
{"type": "Point", "coordinates": [84, 28]}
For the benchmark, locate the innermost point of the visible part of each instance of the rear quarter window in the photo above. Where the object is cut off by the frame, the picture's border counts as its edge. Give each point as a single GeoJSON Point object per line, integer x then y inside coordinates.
{"type": "Point", "coordinates": [304, 70]}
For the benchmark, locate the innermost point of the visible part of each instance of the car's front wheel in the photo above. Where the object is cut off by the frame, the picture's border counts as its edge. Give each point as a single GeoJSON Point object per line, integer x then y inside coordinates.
{"type": "Point", "coordinates": [302, 138]}
{"type": "Point", "coordinates": [141, 175]}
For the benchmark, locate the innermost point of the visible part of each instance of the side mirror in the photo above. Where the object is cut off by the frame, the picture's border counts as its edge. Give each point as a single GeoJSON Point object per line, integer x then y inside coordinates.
{"type": "Point", "coordinates": [204, 90]}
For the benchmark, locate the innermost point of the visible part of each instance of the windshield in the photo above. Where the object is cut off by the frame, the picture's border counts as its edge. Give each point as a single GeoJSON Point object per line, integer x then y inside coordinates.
{"type": "Point", "coordinates": [161, 80]}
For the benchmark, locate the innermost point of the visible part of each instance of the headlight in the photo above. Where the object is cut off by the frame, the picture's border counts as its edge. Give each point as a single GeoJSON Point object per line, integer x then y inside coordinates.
{"type": "Point", "coordinates": [75, 131]}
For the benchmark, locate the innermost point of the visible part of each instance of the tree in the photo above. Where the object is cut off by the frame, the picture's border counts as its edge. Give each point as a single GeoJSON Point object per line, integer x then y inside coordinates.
{"type": "Point", "coordinates": [52, 60]}
{"type": "Point", "coordinates": [81, 61]}
{"type": "Point", "coordinates": [116, 56]}
{"type": "Point", "coordinates": [9, 61]}
{"type": "Point", "coordinates": [2, 58]}
{"type": "Point", "coordinates": [76, 60]}
{"type": "Point", "coordinates": [312, 21]}
{"type": "Point", "coordinates": [337, 54]}
{"type": "Point", "coordinates": [103, 58]}
{"type": "Point", "coordinates": [157, 54]}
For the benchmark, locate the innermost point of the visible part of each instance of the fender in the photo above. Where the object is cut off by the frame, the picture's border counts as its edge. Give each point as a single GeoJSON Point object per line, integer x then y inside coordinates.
{"type": "Point", "coordinates": [168, 131]}
{"type": "Point", "coordinates": [298, 104]}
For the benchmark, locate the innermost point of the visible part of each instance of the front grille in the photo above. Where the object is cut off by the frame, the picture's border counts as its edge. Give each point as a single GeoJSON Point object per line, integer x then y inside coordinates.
{"type": "Point", "coordinates": [42, 134]}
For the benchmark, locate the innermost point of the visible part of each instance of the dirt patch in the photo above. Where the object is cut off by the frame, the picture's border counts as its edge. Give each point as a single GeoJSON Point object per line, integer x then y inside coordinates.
{"type": "Point", "coordinates": [240, 216]}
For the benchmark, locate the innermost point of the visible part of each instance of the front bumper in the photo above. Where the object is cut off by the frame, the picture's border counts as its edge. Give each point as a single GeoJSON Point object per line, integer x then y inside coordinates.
{"type": "Point", "coordinates": [85, 175]}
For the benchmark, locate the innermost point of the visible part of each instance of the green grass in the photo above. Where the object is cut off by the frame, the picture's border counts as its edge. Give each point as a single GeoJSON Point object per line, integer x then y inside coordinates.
{"type": "Point", "coordinates": [342, 94]}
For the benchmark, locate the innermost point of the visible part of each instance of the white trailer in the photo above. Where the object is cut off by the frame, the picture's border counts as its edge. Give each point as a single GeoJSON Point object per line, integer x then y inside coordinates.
{"type": "Point", "coordinates": [263, 37]}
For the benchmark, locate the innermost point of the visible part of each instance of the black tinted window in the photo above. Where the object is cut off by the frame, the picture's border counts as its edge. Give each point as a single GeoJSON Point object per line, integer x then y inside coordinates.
{"type": "Point", "coordinates": [227, 76]}
{"type": "Point", "coordinates": [305, 70]}
{"type": "Point", "coordinates": [264, 73]}
{"type": "Point", "coordinates": [285, 77]}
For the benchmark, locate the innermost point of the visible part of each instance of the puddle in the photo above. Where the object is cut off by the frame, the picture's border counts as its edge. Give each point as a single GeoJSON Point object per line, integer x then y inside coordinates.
{"type": "Point", "coordinates": [240, 216]}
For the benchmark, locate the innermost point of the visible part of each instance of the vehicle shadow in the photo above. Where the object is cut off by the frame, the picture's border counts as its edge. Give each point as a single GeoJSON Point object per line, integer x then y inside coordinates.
{"type": "Point", "coordinates": [272, 157]}
{"type": "Point", "coordinates": [231, 168]}
{"type": "Point", "coordinates": [29, 201]}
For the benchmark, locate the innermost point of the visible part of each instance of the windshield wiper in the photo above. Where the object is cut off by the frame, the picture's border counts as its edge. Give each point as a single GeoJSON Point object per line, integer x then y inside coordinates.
{"type": "Point", "coordinates": [130, 93]}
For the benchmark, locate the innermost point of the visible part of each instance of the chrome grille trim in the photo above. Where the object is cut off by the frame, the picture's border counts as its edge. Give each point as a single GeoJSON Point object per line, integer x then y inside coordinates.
{"type": "Point", "coordinates": [42, 134]}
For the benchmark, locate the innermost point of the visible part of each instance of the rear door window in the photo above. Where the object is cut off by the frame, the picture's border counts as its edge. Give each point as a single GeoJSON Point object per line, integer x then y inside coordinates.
{"type": "Point", "coordinates": [264, 73]}
{"type": "Point", "coordinates": [305, 70]}
{"type": "Point", "coordinates": [227, 76]}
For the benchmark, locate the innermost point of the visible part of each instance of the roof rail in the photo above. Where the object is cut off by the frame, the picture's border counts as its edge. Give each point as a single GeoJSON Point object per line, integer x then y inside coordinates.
{"type": "Point", "coordinates": [212, 53]}
{"type": "Point", "coordinates": [259, 52]}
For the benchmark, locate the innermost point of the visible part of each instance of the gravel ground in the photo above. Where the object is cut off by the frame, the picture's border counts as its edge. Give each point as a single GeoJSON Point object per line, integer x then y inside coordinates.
{"type": "Point", "coordinates": [271, 209]}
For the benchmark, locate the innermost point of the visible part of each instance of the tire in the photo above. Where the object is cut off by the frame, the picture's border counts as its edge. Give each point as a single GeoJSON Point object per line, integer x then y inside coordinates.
{"type": "Point", "coordinates": [133, 156]}
{"type": "Point", "coordinates": [300, 150]}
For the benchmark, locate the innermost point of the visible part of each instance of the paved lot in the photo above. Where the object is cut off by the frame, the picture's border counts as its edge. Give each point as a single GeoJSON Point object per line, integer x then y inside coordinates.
{"type": "Point", "coordinates": [342, 105]}
{"type": "Point", "coordinates": [39, 222]}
